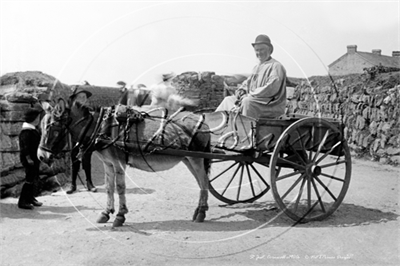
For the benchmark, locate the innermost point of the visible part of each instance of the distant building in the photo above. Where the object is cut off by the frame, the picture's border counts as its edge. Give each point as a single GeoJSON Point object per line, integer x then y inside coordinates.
{"type": "Point", "coordinates": [354, 62]}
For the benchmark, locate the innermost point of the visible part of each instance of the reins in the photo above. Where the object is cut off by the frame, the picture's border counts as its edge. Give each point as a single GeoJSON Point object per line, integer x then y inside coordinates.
{"type": "Point", "coordinates": [84, 130]}
{"type": "Point", "coordinates": [92, 137]}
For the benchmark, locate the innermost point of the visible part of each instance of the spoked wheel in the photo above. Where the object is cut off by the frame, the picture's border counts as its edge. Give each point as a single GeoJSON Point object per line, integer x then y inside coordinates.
{"type": "Point", "coordinates": [316, 169]}
{"type": "Point", "coordinates": [237, 181]}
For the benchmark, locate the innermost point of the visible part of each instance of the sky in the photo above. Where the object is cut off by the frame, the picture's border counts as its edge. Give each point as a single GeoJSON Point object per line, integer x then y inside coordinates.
{"type": "Point", "coordinates": [104, 42]}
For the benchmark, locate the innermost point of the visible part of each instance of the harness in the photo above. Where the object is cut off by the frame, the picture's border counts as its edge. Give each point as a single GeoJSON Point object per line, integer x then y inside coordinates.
{"type": "Point", "coordinates": [115, 126]}
{"type": "Point", "coordinates": [106, 130]}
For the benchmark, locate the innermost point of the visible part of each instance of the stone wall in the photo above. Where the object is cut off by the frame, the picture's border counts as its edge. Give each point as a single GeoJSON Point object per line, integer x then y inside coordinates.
{"type": "Point", "coordinates": [206, 88]}
{"type": "Point", "coordinates": [370, 110]}
{"type": "Point", "coordinates": [19, 91]}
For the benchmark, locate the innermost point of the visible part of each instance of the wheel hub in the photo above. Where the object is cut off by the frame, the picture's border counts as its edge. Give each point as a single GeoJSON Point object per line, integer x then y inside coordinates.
{"type": "Point", "coordinates": [316, 170]}
{"type": "Point", "coordinates": [313, 170]}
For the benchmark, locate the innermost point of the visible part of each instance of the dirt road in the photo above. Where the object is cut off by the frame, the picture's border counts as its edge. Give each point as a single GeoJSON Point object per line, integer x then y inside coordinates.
{"type": "Point", "coordinates": [159, 231]}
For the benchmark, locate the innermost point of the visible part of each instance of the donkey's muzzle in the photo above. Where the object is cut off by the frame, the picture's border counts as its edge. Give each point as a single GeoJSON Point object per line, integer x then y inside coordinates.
{"type": "Point", "coordinates": [45, 156]}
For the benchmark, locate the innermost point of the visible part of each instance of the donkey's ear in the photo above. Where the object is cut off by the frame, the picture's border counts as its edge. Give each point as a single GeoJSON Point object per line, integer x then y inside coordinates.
{"type": "Point", "coordinates": [60, 107]}
{"type": "Point", "coordinates": [61, 104]}
{"type": "Point", "coordinates": [46, 106]}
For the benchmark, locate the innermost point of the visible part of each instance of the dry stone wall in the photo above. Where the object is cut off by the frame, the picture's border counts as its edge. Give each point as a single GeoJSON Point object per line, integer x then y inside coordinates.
{"type": "Point", "coordinates": [370, 110]}
{"type": "Point", "coordinates": [19, 91]}
{"type": "Point", "coordinates": [205, 88]}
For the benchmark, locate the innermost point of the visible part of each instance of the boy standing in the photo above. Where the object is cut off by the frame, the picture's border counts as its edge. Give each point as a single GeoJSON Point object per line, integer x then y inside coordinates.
{"type": "Point", "coordinates": [29, 139]}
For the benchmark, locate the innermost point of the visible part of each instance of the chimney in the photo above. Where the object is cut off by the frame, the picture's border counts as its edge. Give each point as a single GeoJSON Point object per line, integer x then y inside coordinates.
{"type": "Point", "coordinates": [351, 49]}
{"type": "Point", "coordinates": [376, 51]}
{"type": "Point", "coordinates": [396, 53]}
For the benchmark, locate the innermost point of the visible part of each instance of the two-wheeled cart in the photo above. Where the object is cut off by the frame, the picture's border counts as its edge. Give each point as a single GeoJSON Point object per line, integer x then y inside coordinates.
{"type": "Point", "coordinates": [309, 166]}
{"type": "Point", "coordinates": [304, 160]}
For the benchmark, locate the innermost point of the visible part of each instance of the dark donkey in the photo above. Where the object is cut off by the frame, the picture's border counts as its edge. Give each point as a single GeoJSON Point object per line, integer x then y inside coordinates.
{"type": "Point", "coordinates": [143, 136]}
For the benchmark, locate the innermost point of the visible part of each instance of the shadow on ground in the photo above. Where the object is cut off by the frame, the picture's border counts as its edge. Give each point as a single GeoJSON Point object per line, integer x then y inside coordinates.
{"type": "Point", "coordinates": [136, 190]}
{"type": "Point", "coordinates": [258, 215]}
{"type": "Point", "coordinates": [11, 210]}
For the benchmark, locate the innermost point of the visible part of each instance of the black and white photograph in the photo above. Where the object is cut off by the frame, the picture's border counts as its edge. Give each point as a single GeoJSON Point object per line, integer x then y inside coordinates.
{"type": "Point", "coordinates": [188, 132]}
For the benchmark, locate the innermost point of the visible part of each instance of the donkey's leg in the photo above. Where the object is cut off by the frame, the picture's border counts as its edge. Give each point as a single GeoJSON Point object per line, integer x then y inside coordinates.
{"type": "Point", "coordinates": [121, 188]}
{"type": "Point", "coordinates": [197, 168]}
{"type": "Point", "coordinates": [110, 187]}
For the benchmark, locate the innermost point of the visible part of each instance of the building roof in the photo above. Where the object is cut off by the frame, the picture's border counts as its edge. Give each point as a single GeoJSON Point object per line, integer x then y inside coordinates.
{"type": "Point", "coordinates": [374, 59]}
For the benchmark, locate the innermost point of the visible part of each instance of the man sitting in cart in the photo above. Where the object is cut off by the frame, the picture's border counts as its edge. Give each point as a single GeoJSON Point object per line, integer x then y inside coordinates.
{"type": "Point", "coordinates": [263, 94]}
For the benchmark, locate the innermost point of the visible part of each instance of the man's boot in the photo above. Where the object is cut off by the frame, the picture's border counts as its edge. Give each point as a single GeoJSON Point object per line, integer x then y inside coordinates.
{"type": "Point", "coordinates": [90, 186]}
{"type": "Point", "coordinates": [75, 169]}
{"type": "Point", "coordinates": [87, 166]}
{"type": "Point", "coordinates": [72, 187]}
{"type": "Point", "coordinates": [34, 201]}
{"type": "Point", "coordinates": [25, 198]}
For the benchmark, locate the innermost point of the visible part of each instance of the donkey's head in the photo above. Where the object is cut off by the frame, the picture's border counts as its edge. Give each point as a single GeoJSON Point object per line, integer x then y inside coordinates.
{"type": "Point", "coordinates": [54, 127]}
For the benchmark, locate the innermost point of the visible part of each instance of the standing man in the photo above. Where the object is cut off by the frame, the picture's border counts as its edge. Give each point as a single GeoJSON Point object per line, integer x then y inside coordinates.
{"type": "Point", "coordinates": [263, 94]}
{"type": "Point", "coordinates": [80, 95]}
{"type": "Point", "coordinates": [29, 139]}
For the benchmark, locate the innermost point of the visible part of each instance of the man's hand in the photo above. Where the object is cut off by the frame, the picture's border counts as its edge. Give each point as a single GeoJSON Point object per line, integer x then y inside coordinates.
{"type": "Point", "coordinates": [239, 93]}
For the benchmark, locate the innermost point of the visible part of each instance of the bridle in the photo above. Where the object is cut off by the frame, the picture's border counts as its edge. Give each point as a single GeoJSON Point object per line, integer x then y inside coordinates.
{"type": "Point", "coordinates": [63, 129]}
{"type": "Point", "coordinates": [65, 132]}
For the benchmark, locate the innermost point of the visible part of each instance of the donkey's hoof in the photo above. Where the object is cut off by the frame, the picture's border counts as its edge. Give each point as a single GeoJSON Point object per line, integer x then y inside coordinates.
{"type": "Point", "coordinates": [103, 218]}
{"type": "Point", "coordinates": [196, 212]}
{"type": "Point", "coordinates": [200, 217]}
{"type": "Point", "coordinates": [119, 221]}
